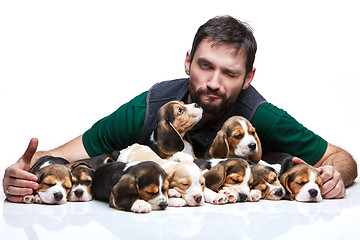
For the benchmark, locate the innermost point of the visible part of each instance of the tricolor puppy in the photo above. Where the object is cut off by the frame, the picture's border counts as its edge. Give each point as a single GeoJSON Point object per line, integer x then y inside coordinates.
{"type": "Point", "coordinates": [236, 138]}
{"type": "Point", "coordinates": [174, 119]}
{"type": "Point", "coordinates": [303, 183]}
{"type": "Point", "coordinates": [231, 177]}
{"type": "Point", "coordinates": [82, 172]}
{"type": "Point", "coordinates": [138, 187]}
{"type": "Point", "coordinates": [186, 183]}
{"type": "Point", "coordinates": [266, 180]}
{"type": "Point", "coordinates": [54, 180]}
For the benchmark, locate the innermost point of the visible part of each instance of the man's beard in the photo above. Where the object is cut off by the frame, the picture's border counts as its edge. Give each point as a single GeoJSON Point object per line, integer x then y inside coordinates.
{"type": "Point", "coordinates": [221, 107]}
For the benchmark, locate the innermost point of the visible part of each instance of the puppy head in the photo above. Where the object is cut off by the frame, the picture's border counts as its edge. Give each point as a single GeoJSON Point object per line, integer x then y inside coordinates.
{"type": "Point", "coordinates": [54, 184]}
{"type": "Point", "coordinates": [266, 179]}
{"type": "Point", "coordinates": [303, 183]}
{"type": "Point", "coordinates": [236, 138]}
{"type": "Point", "coordinates": [233, 174]}
{"type": "Point", "coordinates": [186, 178]}
{"type": "Point", "coordinates": [146, 181]}
{"type": "Point", "coordinates": [82, 175]}
{"type": "Point", "coordinates": [174, 119]}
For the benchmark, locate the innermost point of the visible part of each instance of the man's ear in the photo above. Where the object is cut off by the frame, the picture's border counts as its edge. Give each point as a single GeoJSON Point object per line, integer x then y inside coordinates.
{"type": "Point", "coordinates": [187, 62]}
{"type": "Point", "coordinates": [249, 78]}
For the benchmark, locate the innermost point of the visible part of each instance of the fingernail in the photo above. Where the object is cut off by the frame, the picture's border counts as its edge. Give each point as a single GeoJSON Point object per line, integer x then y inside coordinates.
{"type": "Point", "coordinates": [35, 186]}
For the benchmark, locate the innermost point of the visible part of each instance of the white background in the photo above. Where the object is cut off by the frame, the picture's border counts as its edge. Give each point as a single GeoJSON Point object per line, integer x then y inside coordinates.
{"type": "Point", "coordinates": [66, 64]}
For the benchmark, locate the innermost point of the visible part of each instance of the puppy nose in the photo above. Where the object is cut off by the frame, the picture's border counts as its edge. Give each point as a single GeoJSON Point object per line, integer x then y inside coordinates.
{"type": "Point", "coordinates": [163, 205]}
{"type": "Point", "coordinates": [252, 146]}
{"type": "Point", "coordinates": [58, 196]}
{"type": "Point", "coordinates": [313, 192]}
{"type": "Point", "coordinates": [79, 193]}
{"type": "Point", "coordinates": [197, 105]}
{"type": "Point", "coordinates": [242, 197]}
{"type": "Point", "coordinates": [197, 198]}
{"type": "Point", "coordinates": [279, 192]}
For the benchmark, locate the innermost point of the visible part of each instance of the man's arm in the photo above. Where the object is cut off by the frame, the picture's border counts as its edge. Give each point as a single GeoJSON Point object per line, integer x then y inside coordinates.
{"type": "Point", "coordinates": [338, 170]}
{"type": "Point", "coordinates": [17, 180]}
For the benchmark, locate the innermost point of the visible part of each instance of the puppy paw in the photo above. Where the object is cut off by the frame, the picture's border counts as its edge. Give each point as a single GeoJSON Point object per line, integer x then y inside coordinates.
{"type": "Point", "coordinates": [176, 202]}
{"type": "Point", "coordinates": [231, 197]}
{"type": "Point", "coordinates": [174, 193]}
{"type": "Point", "coordinates": [254, 195]}
{"type": "Point", "coordinates": [181, 157]}
{"type": "Point", "coordinates": [141, 206]}
{"type": "Point", "coordinates": [28, 199]}
{"type": "Point", "coordinates": [37, 199]}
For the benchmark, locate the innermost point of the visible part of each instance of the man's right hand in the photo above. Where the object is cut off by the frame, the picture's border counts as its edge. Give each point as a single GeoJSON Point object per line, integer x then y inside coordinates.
{"type": "Point", "coordinates": [18, 181]}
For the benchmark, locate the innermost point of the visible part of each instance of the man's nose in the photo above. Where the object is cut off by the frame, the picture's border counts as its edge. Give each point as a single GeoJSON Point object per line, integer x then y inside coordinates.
{"type": "Point", "coordinates": [214, 81]}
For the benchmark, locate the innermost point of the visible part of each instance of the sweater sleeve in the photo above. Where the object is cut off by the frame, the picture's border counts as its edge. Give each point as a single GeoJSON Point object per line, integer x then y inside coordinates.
{"type": "Point", "coordinates": [118, 130]}
{"type": "Point", "coordinates": [280, 132]}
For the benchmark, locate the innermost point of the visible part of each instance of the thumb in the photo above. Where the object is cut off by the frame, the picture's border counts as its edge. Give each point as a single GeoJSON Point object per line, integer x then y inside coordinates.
{"type": "Point", "coordinates": [297, 160]}
{"type": "Point", "coordinates": [25, 159]}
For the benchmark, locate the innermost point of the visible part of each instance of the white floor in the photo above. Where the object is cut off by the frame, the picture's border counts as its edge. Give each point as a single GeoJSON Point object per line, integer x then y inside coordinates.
{"type": "Point", "coordinates": [330, 219]}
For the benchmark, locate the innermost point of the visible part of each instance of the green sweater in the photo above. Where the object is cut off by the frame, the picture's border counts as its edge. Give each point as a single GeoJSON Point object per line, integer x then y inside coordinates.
{"type": "Point", "coordinates": [277, 130]}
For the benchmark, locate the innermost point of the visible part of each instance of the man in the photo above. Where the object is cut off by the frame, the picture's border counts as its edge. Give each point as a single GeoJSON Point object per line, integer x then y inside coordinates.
{"type": "Point", "coordinates": [220, 69]}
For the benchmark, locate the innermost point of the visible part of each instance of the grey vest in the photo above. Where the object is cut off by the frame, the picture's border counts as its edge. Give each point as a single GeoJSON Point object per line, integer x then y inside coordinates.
{"type": "Point", "coordinates": [159, 94]}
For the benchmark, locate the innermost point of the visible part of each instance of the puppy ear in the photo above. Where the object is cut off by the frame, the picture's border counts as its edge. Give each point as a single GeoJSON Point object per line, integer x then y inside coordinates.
{"type": "Point", "coordinates": [168, 139]}
{"type": "Point", "coordinates": [75, 165]}
{"type": "Point", "coordinates": [257, 156]}
{"type": "Point", "coordinates": [220, 146]}
{"type": "Point", "coordinates": [215, 177]}
{"type": "Point", "coordinates": [124, 193]}
{"type": "Point", "coordinates": [285, 181]}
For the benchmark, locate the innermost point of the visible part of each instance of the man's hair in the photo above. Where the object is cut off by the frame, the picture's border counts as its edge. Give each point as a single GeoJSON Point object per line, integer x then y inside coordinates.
{"type": "Point", "coordinates": [230, 31]}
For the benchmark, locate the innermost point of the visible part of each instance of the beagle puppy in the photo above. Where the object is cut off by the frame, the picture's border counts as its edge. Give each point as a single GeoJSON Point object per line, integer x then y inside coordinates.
{"type": "Point", "coordinates": [231, 177]}
{"type": "Point", "coordinates": [186, 183]}
{"type": "Point", "coordinates": [266, 180]}
{"type": "Point", "coordinates": [302, 183]}
{"type": "Point", "coordinates": [82, 172]}
{"type": "Point", "coordinates": [174, 119]}
{"type": "Point", "coordinates": [138, 187]}
{"type": "Point", "coordinates": [236, 138]}
{"type": "Point", "coordinates": [54, 180]}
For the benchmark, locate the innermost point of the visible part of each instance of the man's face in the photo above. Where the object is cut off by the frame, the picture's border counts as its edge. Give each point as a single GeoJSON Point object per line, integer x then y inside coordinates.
{"type": "Point", "coordinates": [217, 75]}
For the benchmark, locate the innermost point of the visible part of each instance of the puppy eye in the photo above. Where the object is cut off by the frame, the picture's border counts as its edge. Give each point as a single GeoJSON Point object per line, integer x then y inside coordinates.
{"type": "Point", "coordinates": [240, 136]}
{"type": "Point", "coordinates": [235, 180]}
{"type": "Point", "coordinates": [151, 193]}
{"type": "Point", "coordinates": [87, 182]}
{"type": "Point", "coordinates": [180, 111]}
{"type": "Point", "coordinates": [185, 184]}
{"type": "Point", "coordinates": [301, 183]}
{"type": "Point", "coordinates": [50, 184]}
{"type": "Point", "coordinates": [252, 133]}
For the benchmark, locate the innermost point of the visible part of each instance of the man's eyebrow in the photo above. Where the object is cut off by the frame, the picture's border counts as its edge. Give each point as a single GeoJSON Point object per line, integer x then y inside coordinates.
{"type": "Point", "coordinates": [204, 60]}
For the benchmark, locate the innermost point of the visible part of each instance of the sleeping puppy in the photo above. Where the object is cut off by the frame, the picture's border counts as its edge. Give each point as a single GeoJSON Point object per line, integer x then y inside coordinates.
{"type": "Point", "coordinates": [186, 183]}
{"type": "Point", "coordinates": [138, 187]}
{"type": "Point", "coordinates": [54, 180]}
{"type": "Point", "coordinates": [236, 138]}
{"type": "Point", "coordinates": [231, 177]}
{"type": "Point", "coordinates": [266, 180]}
{"type": "Point", "coordinates": [82, 172]}
{"type": "Point", "coordinates": [174, 119]}
{"type": "Point", "coordinates": [302, 183]}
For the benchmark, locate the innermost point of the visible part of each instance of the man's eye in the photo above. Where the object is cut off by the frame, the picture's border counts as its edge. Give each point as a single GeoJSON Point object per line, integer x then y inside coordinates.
{"type": "Point", "coordinates": [180, 111]}
{"type": "Point", "coordinates": [205, 66]}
